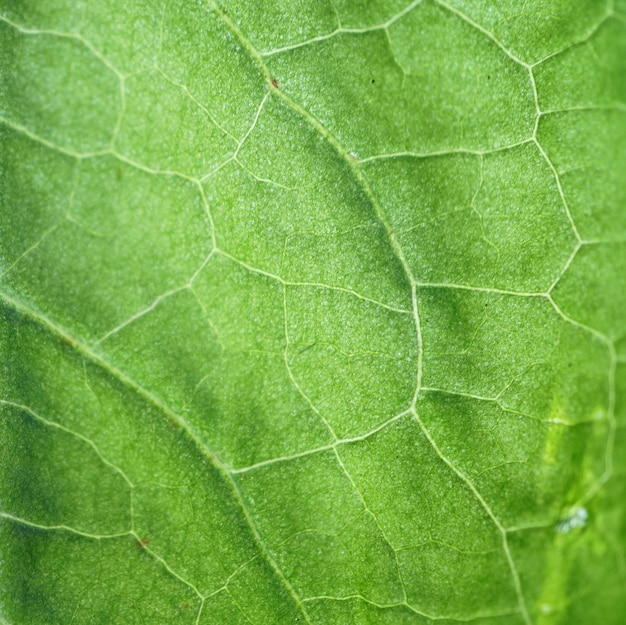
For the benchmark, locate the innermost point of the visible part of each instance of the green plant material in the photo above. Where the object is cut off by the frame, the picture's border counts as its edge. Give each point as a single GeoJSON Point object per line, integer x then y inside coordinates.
{"type": "Point", "coordinates": [313, 312]}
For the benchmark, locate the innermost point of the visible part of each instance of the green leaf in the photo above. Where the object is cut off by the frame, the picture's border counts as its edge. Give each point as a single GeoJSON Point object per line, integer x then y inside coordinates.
{"type": "Point", "coordinates": [313, 312]}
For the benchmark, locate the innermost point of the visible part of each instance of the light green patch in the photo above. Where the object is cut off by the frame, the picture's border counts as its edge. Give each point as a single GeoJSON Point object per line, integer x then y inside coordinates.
{"type": "Point", "coordinates": [582, 292]}
{"type": "Point", "coordinates": [482, 99]}
{"type": "Point", "coordinates": [46, 78]}
{"type": "Point", "coordinates": [270, 24]}
{"type": "Point", "coordinates": [357, 378]}
{"type": "Point", "coordinates": [196, 144]}
{"type": "Point", "coordinates": [466, 219]}
{"type": "Point", "coordinates": [370, 13]}
{"type": "Point", "coordinates": [106, 240]}
{"type": "Point", "coordinates": [585, 149]}
{"type": "Point", "coordinates": [597, 64]}
{"type": "Point", "coordinates": [536, 29]}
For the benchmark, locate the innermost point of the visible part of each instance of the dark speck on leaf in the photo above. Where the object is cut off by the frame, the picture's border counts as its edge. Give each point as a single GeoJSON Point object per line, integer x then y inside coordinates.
{"type": "Point", "coordinates": [373, 80]}
{"type": "Point", "coordinates": [274, 83]}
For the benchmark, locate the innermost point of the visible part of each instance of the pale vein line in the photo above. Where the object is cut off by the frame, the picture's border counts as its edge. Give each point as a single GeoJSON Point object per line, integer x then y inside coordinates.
{"type": "Point", "coordinates": [480, 289]}
{"type": "Point", "coordinates": [376, 604]}
{"type": "Point", "coordinates": [61, 527]}
{"type": "Point", "coordinates": [373, 516]}
{"type": "Point", "coordinates": [139, 314]}
{"type": "Point", "coordinates": [608, 457]}
{"type": "Point", "coordinates": [514, 571]}
{"type": "Point", "coordinates": [161, 30]}
{"type": "Point", "coordinates": [565, 267]}
{"type": "Point", "coordinates": [162, 297]}
{"type": "Point", "coordinates": [445, 152]}
{"type": "Point", "coordinates": [238, 569]}
{"type": "Point", "coordinates": [322, 448]}
{"type": "Point", "coordinates": [501, 529]}
{"type": "Point", "coordinates": [559, 186]}
{"type": "Point", "coordinates": [335, 442]}
{"type": "Point", "coordinates": [450, 546]}
{"type": "Point", "coordinates": [600, 335]}
{"type": "Point", "coordinates": [62, 428]}
{"type": "Point", "coordinates": [263, 179]}
{"type": "Point", "coordinates": [239, 607]}
{"type": "Point", "coordinates": [49, 144]}
{"type": "Point", "coordinates": [611, 400]}
{"type": "Point", "coordinates": [617, 241]}
{"type": "Point", "coordinates": [286, 458]}
{"type": "Point", "coordinates": [32, 247]}
{"type": "Point", "coordinates": [617, 106]}
{"type": "Point", "coordinates": [496, 400]}
{"type": "Point", "coordinates": [252, 126]}
{"type": "Point", "coordinates": [318, 285]}
{"type": "Point", "coordinates": [122, 112]}
{"type": "Point", "coordinates": [150, 170]}
{"type": "Point", "coordinates": [80, 156]}
{"type": "Point", "coordinates": [82, 594]}
{"type": "Point", "coordinates": [292, 377]}
{"type": "Point", "coordinates": [209, 214]}
{"type": "Point", "coordinates": [431, 617]}
{"type": "Point", "coordinates": [200, 608]}
{"type": "Point", "coordinates": [349, 160]}
{"type": "Point", "coordinates": [218, 337]}
{"type": "Point", "coordinates": [579, 242]}
{"type": "Point", "coordinates": [334, 445]}
{"type": "Point", "coordinates": [547, 159]}
{"type": "Point", "coordinates": [96, 53]}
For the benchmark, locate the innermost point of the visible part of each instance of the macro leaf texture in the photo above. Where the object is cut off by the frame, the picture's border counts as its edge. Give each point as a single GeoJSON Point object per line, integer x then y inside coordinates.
{"type": "Point", "coordinates": [313, 311]}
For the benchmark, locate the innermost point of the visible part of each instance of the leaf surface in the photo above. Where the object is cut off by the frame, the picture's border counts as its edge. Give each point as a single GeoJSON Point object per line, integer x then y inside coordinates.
{"type": "Point", "coordinates": [313, 312]}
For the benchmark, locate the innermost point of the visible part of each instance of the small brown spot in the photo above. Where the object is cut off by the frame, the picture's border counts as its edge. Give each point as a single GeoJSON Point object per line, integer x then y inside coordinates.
{"type": "Point", "coordinates": [143, 542]}
{"type": "Point", "coordinates": [274, 83]}
{"type": "Point", "coordinates": [183, 606]}
{"type": "Point", "coordinates": [69, 341]}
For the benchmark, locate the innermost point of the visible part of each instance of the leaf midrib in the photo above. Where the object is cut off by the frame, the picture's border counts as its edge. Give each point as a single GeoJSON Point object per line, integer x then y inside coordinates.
{"type": "Point", "coordinates": [399, 254]}
{"type": "Point", "coordinates": [84, 350]}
